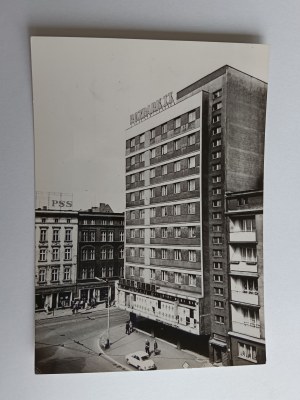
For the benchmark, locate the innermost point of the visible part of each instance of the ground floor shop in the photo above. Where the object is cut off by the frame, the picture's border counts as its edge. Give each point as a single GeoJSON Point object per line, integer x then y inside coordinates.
{"type": "Point", "coordinates": [54, 297]}
{"type": "Point", "coordinates": [219, 351]}
{"type": "Point", "coordinates": [95, 292]}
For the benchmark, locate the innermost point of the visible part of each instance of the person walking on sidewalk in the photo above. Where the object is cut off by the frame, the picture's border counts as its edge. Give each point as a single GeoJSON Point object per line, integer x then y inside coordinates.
{"type": "Point", "coordinates": [155, 347]}
{"type": "Point", "coordinates": [147, 347]}
{"type": "Point", "coordinates": [130, 327]}
{"type": "Point", "coordinates": [127, 328]}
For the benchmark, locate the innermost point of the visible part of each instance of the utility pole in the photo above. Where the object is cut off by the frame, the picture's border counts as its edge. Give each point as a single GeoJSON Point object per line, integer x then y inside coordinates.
{"type": "Point", "coordinates": [108, 303]}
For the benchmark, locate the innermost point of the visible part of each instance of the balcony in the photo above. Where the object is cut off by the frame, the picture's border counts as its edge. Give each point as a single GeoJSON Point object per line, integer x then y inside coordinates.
{"type": "Point", "coordinates": [245, 297]}
{"type": "Point", "coordinates": [242, 237]}
{"type": "Point", "coordinates": [243, 266]}
{"type": "Point", "coordinates": [246, 328]}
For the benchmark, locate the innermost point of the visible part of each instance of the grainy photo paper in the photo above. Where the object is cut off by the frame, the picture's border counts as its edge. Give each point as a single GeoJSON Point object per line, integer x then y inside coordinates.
{"type": "Point", "coordinates": [149, 164]}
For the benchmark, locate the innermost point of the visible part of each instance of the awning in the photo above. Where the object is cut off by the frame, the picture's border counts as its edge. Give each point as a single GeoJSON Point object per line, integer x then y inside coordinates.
{"type": "Point", "coordinates": [179, 293]}
{"type": "Point", "coordinates": [217, 343]}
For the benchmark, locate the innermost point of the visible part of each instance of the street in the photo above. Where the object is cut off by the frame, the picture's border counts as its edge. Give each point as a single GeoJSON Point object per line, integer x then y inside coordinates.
{"type": "Point", "coordinates": [70, 343]}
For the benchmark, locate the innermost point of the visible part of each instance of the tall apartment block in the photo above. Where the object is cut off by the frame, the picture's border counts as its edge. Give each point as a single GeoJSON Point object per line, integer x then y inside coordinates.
{"type": "Point", "coordinates": [55, 258]}
{"type": "Point", "coordinates": [183, 154]}
{"type": "Point", "coordinates": [100, 252]}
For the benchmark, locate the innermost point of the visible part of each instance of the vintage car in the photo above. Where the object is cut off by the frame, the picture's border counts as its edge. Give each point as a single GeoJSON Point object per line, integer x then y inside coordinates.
{"type": "Point", "coordinates": [140, 360]}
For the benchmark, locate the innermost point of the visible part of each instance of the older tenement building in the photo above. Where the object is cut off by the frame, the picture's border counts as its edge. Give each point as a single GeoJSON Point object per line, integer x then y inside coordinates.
{"type": "Point", "coordinates": [182, 156]}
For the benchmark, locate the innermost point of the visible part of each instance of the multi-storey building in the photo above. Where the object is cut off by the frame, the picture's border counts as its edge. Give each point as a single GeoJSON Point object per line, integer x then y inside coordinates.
{"type": "Point", "coordinates": [245, 221]}
{"type": "Point", "coordinates": [182, 156]}
{"type": "Point", "coordinates": [56, 257]}
{"type": "Point", "coordinates": [100, 252]}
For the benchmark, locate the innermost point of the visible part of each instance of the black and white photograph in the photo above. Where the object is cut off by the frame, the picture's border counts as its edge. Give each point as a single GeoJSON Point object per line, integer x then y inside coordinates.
{"type": "Point", "coordinates": [149, 189]}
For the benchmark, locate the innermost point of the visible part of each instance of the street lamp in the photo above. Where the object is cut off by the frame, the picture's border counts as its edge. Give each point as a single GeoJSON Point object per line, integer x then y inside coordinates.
{"type": "Point", "coordinates": [108, 301]}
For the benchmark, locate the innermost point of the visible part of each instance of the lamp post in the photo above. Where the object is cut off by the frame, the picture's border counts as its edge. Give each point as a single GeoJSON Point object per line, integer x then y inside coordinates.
{"type": "Point", "coordinates": [108, 301]}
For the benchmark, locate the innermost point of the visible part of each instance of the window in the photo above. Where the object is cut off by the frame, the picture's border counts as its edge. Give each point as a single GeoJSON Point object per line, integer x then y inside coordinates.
{"type": "Point", "coordinates": [191, 208]}
{"type": "Point", "coordinates": [177, 232]}
{"type": "Point", "coordinates": [192, 255]}
{"type": "Point", "coordinates": [216, 118]}
{"type": "Point", "coordinates": [132, 142]}
{"type": "Point", "coordinates": [217, 253]}
{"type": "Point", "coordinates": [103, 236]}
{"type": "Point", "coordinates": [56, 220]}
{"type": "Point", "coordinates": [218, 291]}
{"type": "Point", "coordinates": [216, 155]}
{"type": "Point", "coordinates": [110, 254]}
{"type": "Point", "coordinates": [250, 285]}
{"type": "Point", "coordinates": [84, 273]}
{"type": "Point", "coordinates": [191, 139]}
{"type": "Point", "coordinates": [110, 271]}
{"type": "Point", "coordinates": [152, 273]}
{"type": "Point", "coordinates": [177, 166]}
{"type": "Point", "coordinates": [247, 225]}
{"type": "Point", "coordinates": [142, 233]}
{"type": "Point", "coordinates": [164, 232]}
{"type": "Point", "coordinates": [216, 179]}
{"type": "Point", "coordinates": [152, 253]}
{"type": "Point", "coordinates": [103, 272]}
{"type": "Point", "coordinates": [164, 149]}
{"type": "Point", "coordinates": [132, 178]}
{"type": "Point", "coordinates": [121, 253]}
{"type": "Point", "coordinates": [132, 252]}
{"type": "Point", "coordinates": [218, 278]}
{"type": "Point", "coordinates": [192, 232]}
{"type": "Point", "coordinates": [217, 240]}
{"type": "Point", "coordinates": [192, 162]}
{"type": "Point", "coordinates": [91, 272]}
{"type": "Point", "coordinates": [247, 351]}
{"type": "Point", "coordinates": [242, 201]}
{"type": "Point", "coordinates": [177, 209]}
{"type": "Point", "coordinates": [217, 94]}
{"type": "Point", "coordinates": [164, 128]}
{"type": "Point", "coordinates": [177, 122]}
{"type": "Point", "coordinates": [85, 222]}
{"type": "Point", "coordinates": [219, 304]}
{"type": "Point", "coordinates": [216, 167]}
{"type": "Point", "coordinates": [251, 317]}
{"type": "Point", "coordinates": [142, 214]}
{"type": "Point", "coordinates": [55, 235]}
{"type": "Point", "coordinates": [164, 190]}
{"type": "Point", "coordinates": [103, 254]}
{"type": "Point", "coordinates": [141, 195]}
{"type": "Point", "coordinates": [152, 173]}
{"type": "Point", "coordinates": [131, 271]}
{"type": "Point", "coordinates": [152, 193]}
{"type": "Point", "coordinates": [67, 274]}
{"type": "Point", "coordinates": [217, 143]}
{"type": "Point", "coordinates": [43, 220]}
{"type": "Point", "coordinates": [68, 220]}
{"type": "Point", "coordinates": [216, 191]}
{"type": "Point", "coordinates": [191, 185]}
{"type": "Point", "coordinates": [142, 138]}
{"type": "Point", "coordinates": [141, 272]}
{"type": "Point", "coordinates": [153, 153]}
{"type": "Point", "coordinates": [55, 254]}
{"type": "Point", "coordinates": [216, 130]}
{"type": "Point", "coordinates": [110, 236]}
{"type": "Point", "coordinates": [216, 215]}
{"type": "Point", "coordinates": [111, 222]}
{"type": "Point", "coordinates": [42, 275]}
{"type": "Point", "coordinates": [216, 203]}
{"type": "Point", "coordinates": [132, 214]}
{"type": "Point", "coordinates": [164, 170]}
{"type": "Point", "coordinates": [132, 233]}
{"type": "Point", "coordinates": [142, 157]}
{"type": "Point", "coordinates": [93, 236]}
{"type": "Point", "coordinates": [217, 265]}
{"type": "Point", "coordinates": [217, 228]}
{"type": "Point", "coordinates": [142, 252]}
{"type": "Point", "coordinates": [141, 176]}
{"type": "Point", "coordinates": [152, 134]}
{"type": "Point", "coordinates": [177, 187]}
{"type": "Point", "coordinates": [219, 319]}
{"type": "Point", "coordinates": [153, 212]}
{"type": "Point", "coordinates": [164, 275]}
{"type": "Point", "coordinates": [43, 235]}
{"type": "Point", "coordinates": [217, 106]}
{"type": "Point", "coordinates": [178, 278]}
{"type": "Point", "coordinates": [164, 254]}
{"type": "Point", "coordinates": [54, 274]}
{"type": "Point", "coordinates": [132, 160]}
{"type": "Point", "coordinates": [248, 254]}
{"type": "Point", "coordinates": [164, 211]}
{"type": "Point", "coordinates": [43, 256]}
{"type": "Point", "coordinates": [177, 254]}
{"type": "Point", "coordinates": [192, 116]}
{"type": "Point", "coordinates": [192, 280]}
{"type": "Point", "coordinates": [121, 236]}
{"type": "Point", "coordinates": [176, 145]}
{"type": "Point", "coordinates": [152, 233]}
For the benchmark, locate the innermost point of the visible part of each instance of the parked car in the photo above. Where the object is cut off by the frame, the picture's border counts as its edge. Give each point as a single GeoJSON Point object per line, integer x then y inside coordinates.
{"type": "Point", "coordinates": [140, 360]}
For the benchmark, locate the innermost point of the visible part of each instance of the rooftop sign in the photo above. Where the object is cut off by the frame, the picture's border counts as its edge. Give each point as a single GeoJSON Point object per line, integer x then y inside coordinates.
{"type": "Point", "coordinates": [153, 108]}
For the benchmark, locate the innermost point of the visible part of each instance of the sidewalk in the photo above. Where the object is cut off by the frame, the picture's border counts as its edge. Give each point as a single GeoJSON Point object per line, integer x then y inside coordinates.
{"type": "Point", "coordinates": [39, 315]}
{"type": "Point", "coordinates": [122, 344]}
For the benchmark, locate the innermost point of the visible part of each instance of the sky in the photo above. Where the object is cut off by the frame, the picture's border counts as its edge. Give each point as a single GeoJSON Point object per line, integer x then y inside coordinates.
{"type": "Point", "coordinates": [84, 90]}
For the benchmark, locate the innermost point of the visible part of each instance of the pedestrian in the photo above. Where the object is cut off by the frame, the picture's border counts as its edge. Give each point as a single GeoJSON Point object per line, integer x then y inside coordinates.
{"type": "Point", "coordinates": [127, 328]}
{"type": "Point", "coordinates": [147, 347]}
{"type": "Point", "coordinates": [130, 327]}
{"type": "Point", "coordinates": [155, 347]}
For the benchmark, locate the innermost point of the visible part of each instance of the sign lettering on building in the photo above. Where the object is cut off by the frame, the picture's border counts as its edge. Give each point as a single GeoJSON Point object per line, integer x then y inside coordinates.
{"type": "Point", "coordinates": [54, 200]}
{"type": "Point", "coordinates": [152, 108]}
